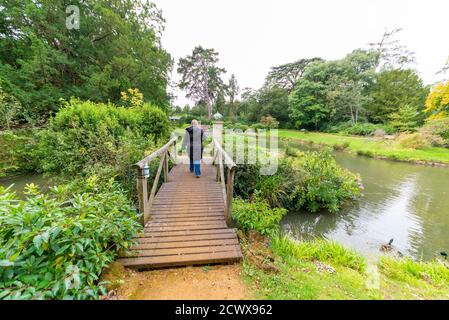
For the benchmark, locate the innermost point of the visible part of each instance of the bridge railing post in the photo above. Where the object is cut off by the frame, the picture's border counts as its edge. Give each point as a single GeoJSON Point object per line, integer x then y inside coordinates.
{"type": "Point", "coordinates": [142, 194]}
{"type": "Point", "coordinates": [229, 194]}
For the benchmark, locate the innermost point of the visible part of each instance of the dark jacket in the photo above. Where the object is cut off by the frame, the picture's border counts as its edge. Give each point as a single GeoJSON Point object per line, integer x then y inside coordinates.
{"type": "Point", "coordinates": [193, 139]}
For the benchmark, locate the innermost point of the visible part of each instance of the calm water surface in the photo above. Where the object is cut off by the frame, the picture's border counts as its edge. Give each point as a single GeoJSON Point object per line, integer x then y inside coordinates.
{"type": "Point", "coordinates": [19, 182]}
{"type": "Point", "coordinates": [407, 202]}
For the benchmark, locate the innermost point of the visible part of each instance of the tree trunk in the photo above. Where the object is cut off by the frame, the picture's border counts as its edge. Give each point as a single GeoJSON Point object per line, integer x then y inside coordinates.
{"type": "Point", "coordinates": [209, 109]}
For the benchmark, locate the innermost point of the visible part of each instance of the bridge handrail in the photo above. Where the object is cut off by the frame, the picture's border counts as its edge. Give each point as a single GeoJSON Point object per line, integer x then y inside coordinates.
{"type": "Point", "coordinates": [145, 201]}
{"type": "Point", "coordinates": [227, 185]}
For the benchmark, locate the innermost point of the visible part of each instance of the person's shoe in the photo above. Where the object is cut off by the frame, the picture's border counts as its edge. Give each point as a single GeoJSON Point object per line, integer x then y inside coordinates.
{"type": "Point", "coordinates": [198, 176]}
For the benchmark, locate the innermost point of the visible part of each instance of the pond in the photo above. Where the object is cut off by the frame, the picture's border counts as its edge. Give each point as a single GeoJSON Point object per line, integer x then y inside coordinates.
{"type": "Point", "coordinates": [20, 181]}
{"type": "Point", "coordinates": [402, 201]}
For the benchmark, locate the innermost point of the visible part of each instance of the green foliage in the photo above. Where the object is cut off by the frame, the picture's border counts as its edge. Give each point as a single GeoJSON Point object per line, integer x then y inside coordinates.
{"type": "Point", "coordinates": [55, 245]}
{"type": "Point", "coordinates": [319, 249]}
{"type": "Point", "coordinates": [269, 122]}
{"type": "Point", "coordinates": [413, 141]}
{"type": "Point", "coordinates": [257, 215]}
{"type": "Point", "coordinates": [85, 135]}
{"type": "Point", "coordinates": [311, 181]}
{"type": "Point", "coordinates": [308, 108]}
{"type": "Point", "coordinates": [10, 110]}
{"type": "Point", "coordinates": [285, 76]}
{"type": "Point", "coordinates": [17, 151]}
{"type": "Point", "coordinates": [405, 119]}
{"type": "Point", "coordinates": [116, 47]}
{"type": "Point", "coordinates": [392, 90]}
{"type": "Point", "coordinates": [245, 180]}
{"type": "Point", "coordinates": [437, 272]}
{"type": "Point", "coordinates": [360, 129]}
{"type": "Point", "coordinates": [321, 184]}
{"type": "Point", "coordinates": [332, 91]}
{"type": "Point", "coordinates": [438, 129]}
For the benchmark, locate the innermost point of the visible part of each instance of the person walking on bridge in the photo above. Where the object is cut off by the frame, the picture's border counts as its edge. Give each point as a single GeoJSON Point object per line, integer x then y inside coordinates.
{"type": "Point", "coordinates": [193, 142]}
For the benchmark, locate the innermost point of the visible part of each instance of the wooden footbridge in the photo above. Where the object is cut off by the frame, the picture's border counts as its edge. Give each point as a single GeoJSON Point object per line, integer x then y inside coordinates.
{"type": "Point", "coordinates": [187, 219]}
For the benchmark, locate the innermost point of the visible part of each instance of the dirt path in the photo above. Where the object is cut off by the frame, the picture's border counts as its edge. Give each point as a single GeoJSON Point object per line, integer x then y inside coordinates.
{"type": "Point", "coordinates": [210, 282]}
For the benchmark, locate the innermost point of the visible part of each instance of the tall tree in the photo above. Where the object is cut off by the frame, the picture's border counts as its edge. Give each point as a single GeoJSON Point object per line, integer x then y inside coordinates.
{"type": "Point", "coordinates": [232, 91]}
{"type": "Point", "coordinates": [201, 77]}
{"type": "Point", "coordinates": [333, 91]}
{"type": "Point", "coordinates": [286, 75]}
{"type": "Point", "coordinates": [394, 89]}
{"type": "Point", "coordinates": [116, 47]}
{"type": "Point", "coordinates": [437, 103]}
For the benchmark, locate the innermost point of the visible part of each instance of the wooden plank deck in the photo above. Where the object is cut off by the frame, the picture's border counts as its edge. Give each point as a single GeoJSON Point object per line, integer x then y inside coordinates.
{"type": "Point", "coordinates": [187, 224]}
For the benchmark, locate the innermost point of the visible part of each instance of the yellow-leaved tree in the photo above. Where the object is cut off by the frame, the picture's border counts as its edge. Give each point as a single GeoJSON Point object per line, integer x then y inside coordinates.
{"type": "Point", "coordinates": [437, 103]}
{"type": "Point", "coordinates": [131, 98]}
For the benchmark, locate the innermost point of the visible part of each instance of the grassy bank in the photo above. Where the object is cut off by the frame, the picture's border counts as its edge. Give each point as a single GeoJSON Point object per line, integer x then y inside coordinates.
{"type": "Point", "coordinates": [389, 149]}
{"type": "Point", "coordinates": [325, 270]}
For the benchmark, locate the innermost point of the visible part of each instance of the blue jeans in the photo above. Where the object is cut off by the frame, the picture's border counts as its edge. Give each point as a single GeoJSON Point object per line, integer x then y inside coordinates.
{"type": "Point", "coordinates": [195, 167]}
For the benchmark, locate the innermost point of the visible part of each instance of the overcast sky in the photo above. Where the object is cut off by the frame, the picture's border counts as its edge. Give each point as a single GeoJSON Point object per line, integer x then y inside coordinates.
{"type": "Point", "coordinates": [253, 35]}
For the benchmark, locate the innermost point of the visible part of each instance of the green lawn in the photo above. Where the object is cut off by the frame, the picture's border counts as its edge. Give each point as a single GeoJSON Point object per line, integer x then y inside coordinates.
{"type": "Point", "coordinates": [323, 270]}
{"type": "Point", "coordinates": [389, 149]}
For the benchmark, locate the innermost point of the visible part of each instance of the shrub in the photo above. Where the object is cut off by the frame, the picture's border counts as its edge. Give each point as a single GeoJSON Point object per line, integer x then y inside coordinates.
{"type": "Point", "coordinates": [17, 152]}
{"type": "Point", "coordinates": [245, 180]}
{"type": "Point", "coordinates": [10, 110]}
{"type": "Point", "coordinates": [257, 215]}
{"type": "Point", "coordinates": [360, 129]}
{"type": "Point", "coordinates": [257, 126]}
{"type": "Point", "coordinates": [341, 146]}
{"type": "Point", "coordinates": [269, 122]}
{"type": "Point", "coordinates": [413, 141]}
{"type": "Point", "coordinates": [85, 134]}
{"type": "Point", "coordinates": [436, 131]}
{"type": "Point", "coordinates": [311, 181]}
{"type": "Point", "coordinates": [406, 118]}
{"type": "Point", "coordinates": [55, 245]}
{"type": "Point", "coordinates": [321, 184]}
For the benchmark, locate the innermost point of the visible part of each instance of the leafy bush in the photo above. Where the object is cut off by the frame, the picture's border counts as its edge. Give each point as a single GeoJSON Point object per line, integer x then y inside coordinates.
{"type": "Point", "coordinates": [311, 181]}
{"type": "Point", "coordinates": [407, 118]}
{"type": "Point", "coordinates": [413, 141]}
{"type": "Point", "coordinates": [10, 110]}
{"type": "Point", "coordinates": [269, 122]}
{"type": "Point", "coordinates": [360, 129]}
{"type": "Point", "coordinates": [319, 183]}
{"type": "Point", "coordinates": [55, 245]}
{"type": "Point", "coordinates": [257, 215]}
{"type": "Point", "coordinates": [245, 180]}
{"type": "Point", "coordinates": [437, 131]}
{"type": "Point", "coordinates": [17, 152]}
{"type": "Point", "coordinates": [85, 134]}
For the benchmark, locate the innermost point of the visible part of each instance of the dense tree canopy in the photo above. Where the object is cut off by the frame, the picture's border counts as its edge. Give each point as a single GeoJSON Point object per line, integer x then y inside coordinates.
{"type": "Point", "coordinates": [285, 76]}
{"type": "Point", "coordinates": [394, 89]}
{"type": "Point", "coordinates": [437, 103]}
{"type": "Point", "coordinates": [333, 91]}
{"type": "Point", "coordinates": [116, 47]}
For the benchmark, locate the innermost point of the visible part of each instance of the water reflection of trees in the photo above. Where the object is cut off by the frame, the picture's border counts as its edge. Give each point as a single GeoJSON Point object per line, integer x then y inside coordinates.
{"type": "Point", "coordinates": [383, 180]}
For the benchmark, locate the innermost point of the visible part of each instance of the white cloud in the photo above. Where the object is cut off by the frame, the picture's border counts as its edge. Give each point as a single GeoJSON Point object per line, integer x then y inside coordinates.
{"type": "Point", "coordinates": [253, 35]}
